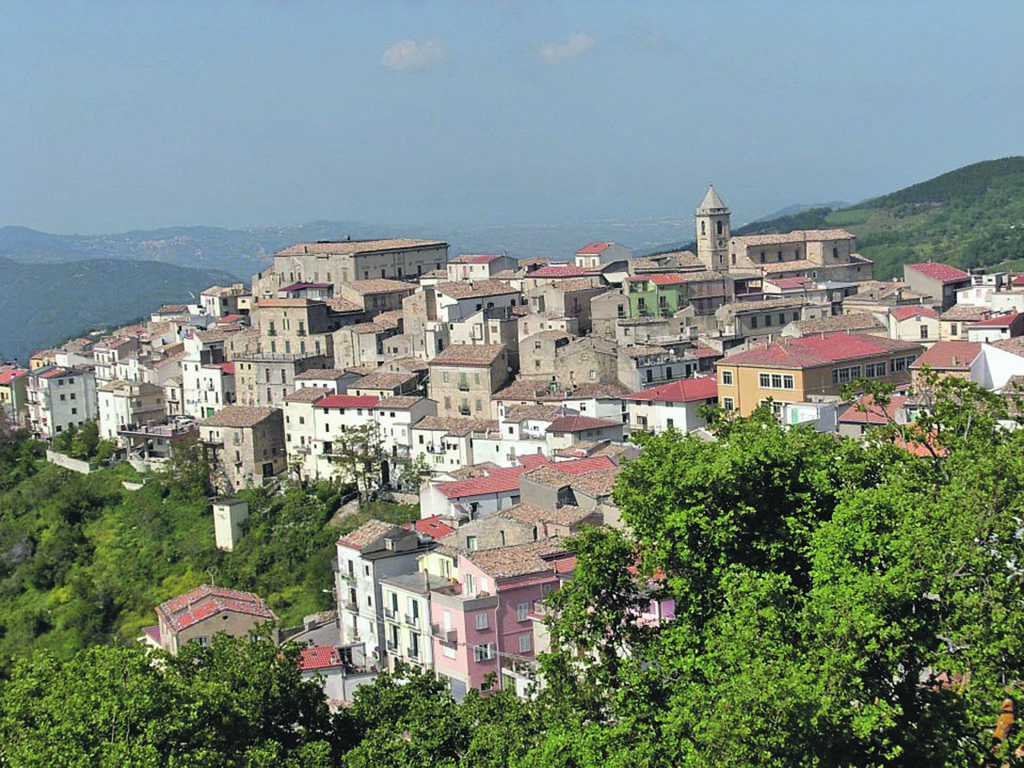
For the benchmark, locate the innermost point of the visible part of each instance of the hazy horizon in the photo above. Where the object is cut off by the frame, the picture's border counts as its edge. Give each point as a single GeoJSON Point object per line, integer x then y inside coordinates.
{"type": "Point", "coordinates": [255, 114]}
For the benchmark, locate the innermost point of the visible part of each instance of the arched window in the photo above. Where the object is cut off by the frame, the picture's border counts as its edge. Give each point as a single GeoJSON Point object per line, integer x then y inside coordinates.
{"type": "Point", "coordinates": [719, 225]}
{"type": "Point", "coordinates": [703, 230]}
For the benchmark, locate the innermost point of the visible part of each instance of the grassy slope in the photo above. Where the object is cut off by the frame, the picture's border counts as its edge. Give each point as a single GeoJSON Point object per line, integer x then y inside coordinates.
{"type": "Point", "coordinates": [971, 217]}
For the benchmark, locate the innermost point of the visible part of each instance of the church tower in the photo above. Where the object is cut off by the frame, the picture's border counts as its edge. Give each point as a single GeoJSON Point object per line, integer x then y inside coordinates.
{"type": "Point", "coordinates": [713, 232]}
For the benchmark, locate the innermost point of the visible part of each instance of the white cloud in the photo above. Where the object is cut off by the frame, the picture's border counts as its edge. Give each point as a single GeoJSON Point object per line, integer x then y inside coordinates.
{"type": "Point", "coordinates": [576, 44]}
{"type": "Point", "coordinates": [410, 56]}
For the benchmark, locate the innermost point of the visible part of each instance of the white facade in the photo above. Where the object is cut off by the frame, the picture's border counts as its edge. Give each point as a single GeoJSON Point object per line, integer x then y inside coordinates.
{"type": "Point", "coordinates": [121, 403]}
{"type": "Point", "coordinates": [59, 398]}
{"type": "Point", "coordinates": [659, 416]}
{"type": "Point", "coordinates": [228, 516]}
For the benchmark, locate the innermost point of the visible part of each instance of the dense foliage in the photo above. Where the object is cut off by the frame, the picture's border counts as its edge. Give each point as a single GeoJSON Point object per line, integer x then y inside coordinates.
{"type": "Point", "coordinates": [84, 560]}
{"type": "Point", "coordinates": [971, 217]}
{"type": "Point", "coordinates": [838, 603]}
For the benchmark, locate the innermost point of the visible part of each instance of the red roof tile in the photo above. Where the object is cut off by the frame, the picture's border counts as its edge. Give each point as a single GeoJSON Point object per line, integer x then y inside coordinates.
{"type": "Point", "coordinates": [580, 423]}
{"type": "Point", "coordinates": [813, 351]}
{"type": "Point", "coordinates": [659, 279]}
{"type": "Point", "coordinates": [957, 355]}
{"type": "Point", "coordinates": [6, 377]}
{"type": "Point", "coordinates": [873, 414]}
{"type": "Point", "coordinates": [496, 481]}
{"type": "Point", "coordinates": [913, 310]}
{"type": "Point", "coordinates": [347, 401]}
{"type": "Point", "coordinates": [206, 601]}
{"type": "Point", "coordinates": [999, 321]}
{"type": "Point", "coordinates": [319, 657]}
{"type": "Point", "coordinates": [592, 249]}
{"type": "Point", "coordinates": [431, 526]}
{"type": "Point", "coordinates": [681, 391]}
{"type": "Point", "coordinates": [941, 272]}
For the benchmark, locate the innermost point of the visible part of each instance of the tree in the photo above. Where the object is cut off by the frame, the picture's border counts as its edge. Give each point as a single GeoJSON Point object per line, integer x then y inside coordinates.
{"type": "Point", "coordinates": [358, 454]}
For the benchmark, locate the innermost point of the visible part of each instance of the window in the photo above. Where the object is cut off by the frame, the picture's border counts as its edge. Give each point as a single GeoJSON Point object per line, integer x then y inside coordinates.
{"type": "Point", "coordinates": [776, 381]}
{"type": "Point", "coordinates": [753, 322]}
{"type": "Point", "coordinates": [900, 364]}
{"type": "Point", "coordinates": [481, 621]}
{"type": "Point", "coordinates": [924, 331]}
{"type": "Point", "coordinates": [845, 375]}
{"type": "Point", "coordinates": [483, 652]}
{"type": "Point", "coordinates": [952, 329]}
{"type": "Point", "coordinates": [727, 378]}
{"type": "Point", "coordinates": [727, 404]}
{"type": "Point", "coordinates": [764, 380]}
{"type": "Point", "coordinates": [782, 318]}
{"type": "Point", "coordinates": [525, 643]}
{"type": "Point", "coordinates": [718, 226]}
{"type": "Point", "coordinates": [874, 370]}
{"type": "Point", "coordinates": [787, 382]}
{"type": "Point", "coordinates": [522, 611]}
{"type": "Point", "coordinates": [471, 543]}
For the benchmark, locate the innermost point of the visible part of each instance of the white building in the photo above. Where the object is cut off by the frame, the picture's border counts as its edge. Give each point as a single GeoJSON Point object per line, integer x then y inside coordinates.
{"type": "Point", "coordinates": [58, 399]}
{"type": "Point", "coordinates": [124, 403]}
{"type": "Point", "coordinates": [675, 405]}
{"type": "Point", "coordinates": [593, 255]}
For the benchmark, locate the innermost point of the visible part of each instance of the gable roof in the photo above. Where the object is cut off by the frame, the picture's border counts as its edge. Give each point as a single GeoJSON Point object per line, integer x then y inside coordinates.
{"type": "Point", "coordinates": [203, 602]}
{"type": "Point", "coordinates": [944, 273]}
{"type": "Point", "coordinates": [711, 201]}
{"type": "Point", "coordinates": [560, 271]}
{"type": "Point", "coordinates": [468, 354]}
{"type": "Point", "coordinates": [593, 249]}
{"type": "Point", "coordinates": [681, 391]}
{"type": "Point", "coordinates": [813, 351]}
{"type": "Point", "coordinates": [366, 534]}
{"type": "Point", "coordinates": [913, 310]}
{"type": "Point", "coordinates": [347, 401]}
{"type": "Point", "coordinates": [580, 423]}
{"type": "Point", "coordinates": [476, 289]}
{"type": "Point", "coordinates": [950, 355]}
{"type": "Point", "coordinates": [999, 321]}
{"type": "Point", "coordinates": [353, 247]}
{"type": "Point", "coordinates": [517, 559]}
{"type": "Point", "coordinates": [238, 416]}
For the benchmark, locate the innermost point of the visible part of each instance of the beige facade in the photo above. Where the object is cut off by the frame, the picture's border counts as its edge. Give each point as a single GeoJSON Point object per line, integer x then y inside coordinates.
{"type": "Point", "coordinates": [293, 326]}
{"type": "Point", "coordinates": [244, 446]}
{"type": "Point", "coordinates": [464, 377]}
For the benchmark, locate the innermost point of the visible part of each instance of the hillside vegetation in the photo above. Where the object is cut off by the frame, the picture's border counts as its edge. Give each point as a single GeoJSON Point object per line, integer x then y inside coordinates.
{"type": "Point", "coordinates": [84, 561]}
{"type": "Point", "coordinates": [972, 217]}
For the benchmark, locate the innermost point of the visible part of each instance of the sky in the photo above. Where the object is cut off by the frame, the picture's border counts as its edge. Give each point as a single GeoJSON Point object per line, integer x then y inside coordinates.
{"type": "Point", "coordinates": [244, 113]}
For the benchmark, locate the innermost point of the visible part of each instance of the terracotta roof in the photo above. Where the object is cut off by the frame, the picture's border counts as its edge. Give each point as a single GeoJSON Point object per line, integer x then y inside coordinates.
{"type": "Point", "coordinates": [9, 375]}
{"type": "Point", "coordinates": [352, 247]}
{"type": "Point", "coordinates": [338, 304]}
{"type": "Point", "coordinates": [431, 526]}
{"type": "Point", "coordinates": [237, 416]}
{"type": "Point", "coordinates": [642, 350]}
{"type": "Point", "coordinates": [286, 303]}
{"type": "Point", "coordinates": [497, 481]}
{"type": "Point", "coordinates": [468, 354]}
{"type": "Point", "coordinates": [872, 413]}
{"type": "Point", "coordinates": [788, 266]}
{"type": "Point", "coordinates": [411, 364]}
{"type": "Point", "coordinates": [203, 602]}
{"type": "Point", "coordinates": [568, 515]}
{"type": "Point", "coordinates": [944, 273]}
{"type": "Point", "coordinates": [681, 391]}
{"type": "Point", "coordinates": [598, 390]}
{"type": "Point", "coordinates": [348, 401]}
{"type": "Point", "coordinates": [378, 285]}
{"type": "Point", "coordinates": [520, 413]}
{"type": "Point", "coordinates": [456, 426]}
{"type": "Point", "coordinates": [470, 258]}
{"type": "Point", "coordinates": [1014, 346]}
{"type": "Point", "coordinates": [913, 310]}
{"type": "Point", "coordinates": [306, 395]}
{"type": "Point", "coordinates": [999, 321]}
{"type": "Point", "coordinates": [366, 534]}
{"type": "Point", "coordinates": [796, 236]}
{"type": "Point", "coordinates": [813, 351]}
{"type": "Point", "coordinates": [965, 312]}
{"type": "Point", "coordinates": [950, 355]}
{"type": "Point", "coordinates": [304, 286]}
{"type": "Point", "coordinates": [522, 389]}
{"type": "Point", "coordinates": [856, 321]}
{"type": "Point", "coordinates": [580, 424]}
{"type": "Point", "coordinates": [766, 304]}
{"type": "Point", "coordinates": [593, 249]}
{"type": "Point", "coordinates": [400, 402]}
{"type": "Point", "coordinates": [517, 560]}
{"type": "Point", "coordinates": [316, 374]}
{"type": "Point", "coordinates": [478, 288]}
{"type": "Point", "coordinates": [383, 380]}
{"type": "Point", "coordinates": [472, 470]}
{"type": "Point", "coordinates": [561, 271]}
{"type": "Point", "coordinates": [790, 283]}
{"type": "Point", "coordinates": [319, 657]}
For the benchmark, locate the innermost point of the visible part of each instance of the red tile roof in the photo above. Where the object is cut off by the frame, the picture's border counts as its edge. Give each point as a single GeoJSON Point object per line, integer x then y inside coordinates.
{"type": "Point", "coordinates": [957, 355]}
{"type": "Point", "coordinates": [469, 258]}
{"type": "Point", "coordinates": [347, 401]}
{"type": "Point", "coordinates": [560, 271]}
{"type": "Point", "coordinates": [913, 310]}
{"type": "Point", "coordinates": [319, 657]}
{"type": "Point", "coordinates": [431, 526]}
{"type": "Point", "coordinates": [681, 391]}
{"type": "Point", "coordinates": [496, 481]}
{"type": "Point", "coordinates": [6, 377]}
{"type": "Point", "coordinates": [592, 249]}
{"type": "Point", "coordinates": [999, 321]}
{"type": "Point", "coordinates": [941, 272]}
{"type": "Point", "coordinates": [580, 423]}
{"type": "Point", "coordinates": [206, 601]}
{"type": "Point", "coordinates": [873, 414]}
{"type": "Point", "coordinates": [813, 351]}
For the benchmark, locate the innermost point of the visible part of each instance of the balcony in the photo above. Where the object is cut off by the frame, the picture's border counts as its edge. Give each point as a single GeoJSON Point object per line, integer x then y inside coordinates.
{"type": "Point", "coordinates": [412, 653]}
{"type": "Point", "coordinates": [389, 613]}
{"type": "Point", "coordinates": [464, 410]}
{"type": "Point", "coordinates": [445, 636]}
{"type": "Point", "coordinates": [463, 386]}
{"type": "Point", "coordinates": [350, 605]}
{"type": "Point", "coordinates": [412, 621]}
{"type": "Point", "coordinates": [272, 332]}
{"type": "Point", "coordinates": [392, 646]}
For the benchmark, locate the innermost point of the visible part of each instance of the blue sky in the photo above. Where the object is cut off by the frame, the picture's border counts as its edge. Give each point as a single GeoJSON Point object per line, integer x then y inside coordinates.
{"type": "Point", "coordinates": [120, 115]}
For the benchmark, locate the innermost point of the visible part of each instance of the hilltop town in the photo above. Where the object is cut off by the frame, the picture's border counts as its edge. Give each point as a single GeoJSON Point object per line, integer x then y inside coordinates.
{"type": "Point", "coordinates": [499, 394]}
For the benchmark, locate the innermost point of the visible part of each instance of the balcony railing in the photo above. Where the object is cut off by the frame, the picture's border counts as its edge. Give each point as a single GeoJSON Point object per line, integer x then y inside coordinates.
{"type": "Point", "coordinates": [350, 605]}
{"type": "Point", "coordinates": [392, 646]}
{"type": "Point", "coordinates": [444, 635]}
{"type": "Point", "coordinates": [412, 621]}
{"type": "Point", "coordinates": [412, 653]}
{"type": "Point", "coordinates": [463, 387]}
{"type": "Point", "coordinates": [389, 613]}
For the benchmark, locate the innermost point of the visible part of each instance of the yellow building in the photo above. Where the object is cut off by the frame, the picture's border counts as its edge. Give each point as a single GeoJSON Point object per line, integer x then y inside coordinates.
{"type": "Point", "coordinates": [797, 370]}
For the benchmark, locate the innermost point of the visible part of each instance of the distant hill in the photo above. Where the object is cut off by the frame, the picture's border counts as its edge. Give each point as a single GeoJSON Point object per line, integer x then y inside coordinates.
{"type": "Point", "coordinates": [972, 217]}
{"type": "Point", "coordinates": [44, 304]}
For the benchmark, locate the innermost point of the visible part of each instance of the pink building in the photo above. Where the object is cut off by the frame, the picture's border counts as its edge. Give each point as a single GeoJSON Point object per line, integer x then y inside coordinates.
{"type": "Point", "coordinates": [481, 623]}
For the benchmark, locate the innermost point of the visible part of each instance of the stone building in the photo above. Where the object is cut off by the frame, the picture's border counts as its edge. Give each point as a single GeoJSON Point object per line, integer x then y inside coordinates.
{"type": "Point", "coordinates": [464, 377]}
{"type": "Point", "coordinates": [244, 446]}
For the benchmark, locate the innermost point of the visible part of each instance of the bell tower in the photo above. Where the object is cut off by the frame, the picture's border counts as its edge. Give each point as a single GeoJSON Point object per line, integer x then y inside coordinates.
{"type": "Point", "coordinates": [712, 221]}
